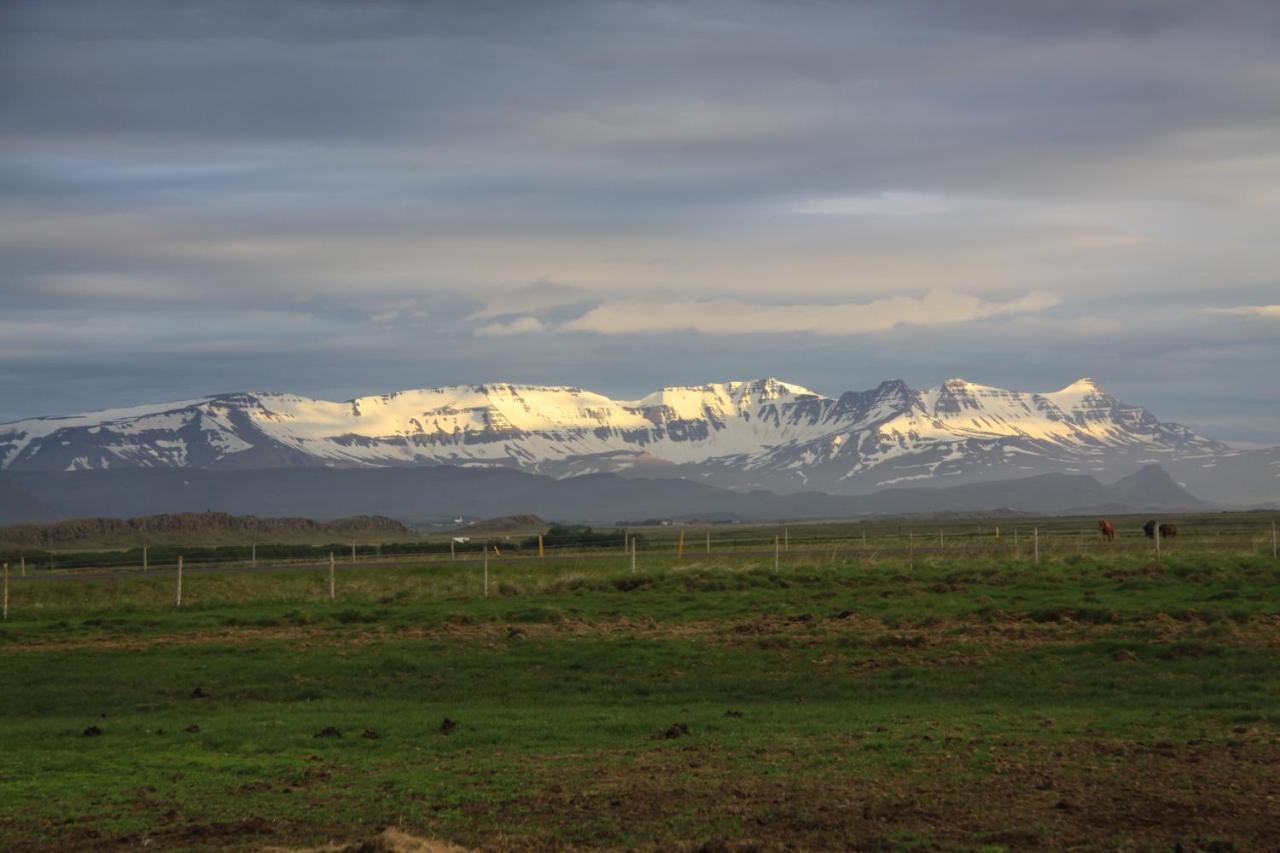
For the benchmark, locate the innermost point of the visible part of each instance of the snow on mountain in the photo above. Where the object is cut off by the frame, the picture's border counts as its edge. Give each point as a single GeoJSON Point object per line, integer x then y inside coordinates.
{"type": "Point", "coordinates": [761, 433]}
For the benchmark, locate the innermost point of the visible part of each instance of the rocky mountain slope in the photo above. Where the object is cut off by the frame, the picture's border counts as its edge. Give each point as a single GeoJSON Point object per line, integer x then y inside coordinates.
{"type": "Point", "coordinates": [744, 435]}
{"type": "Point", "coordinates": [442, 493]}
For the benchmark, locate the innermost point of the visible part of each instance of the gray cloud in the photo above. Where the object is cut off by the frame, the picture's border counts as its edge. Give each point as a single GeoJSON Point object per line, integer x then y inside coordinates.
{"type": "Point", "coordinates": [336, 197]}
{"type": "Point", "coordinates": [728, 316]}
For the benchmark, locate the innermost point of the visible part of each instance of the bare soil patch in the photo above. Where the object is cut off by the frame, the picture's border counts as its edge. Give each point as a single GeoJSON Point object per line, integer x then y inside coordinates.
{"type": "Point", "coordinates": [994, 635]}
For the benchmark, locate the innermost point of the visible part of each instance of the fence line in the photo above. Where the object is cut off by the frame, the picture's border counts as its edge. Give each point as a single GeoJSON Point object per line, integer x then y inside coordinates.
{"type": "Point", "coordinates": [850, 550]}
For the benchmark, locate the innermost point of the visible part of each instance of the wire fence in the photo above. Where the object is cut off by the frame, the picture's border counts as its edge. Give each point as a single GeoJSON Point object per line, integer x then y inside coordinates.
{"type": "Point", "coordinates": [720, 544]}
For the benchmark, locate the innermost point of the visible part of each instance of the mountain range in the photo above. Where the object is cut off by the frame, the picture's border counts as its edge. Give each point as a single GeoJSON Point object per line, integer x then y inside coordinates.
{"type": "Point", "coordinates": [750, 435]}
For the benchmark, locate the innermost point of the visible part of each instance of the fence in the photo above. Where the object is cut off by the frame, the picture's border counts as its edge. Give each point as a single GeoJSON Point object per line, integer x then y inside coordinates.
{"type": "Point", "coordinates": [720, 543]}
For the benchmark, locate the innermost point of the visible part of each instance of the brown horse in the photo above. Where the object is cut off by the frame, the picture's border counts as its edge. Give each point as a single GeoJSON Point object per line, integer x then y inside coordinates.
{"type": "Point", "coordinates": [1107, 529]}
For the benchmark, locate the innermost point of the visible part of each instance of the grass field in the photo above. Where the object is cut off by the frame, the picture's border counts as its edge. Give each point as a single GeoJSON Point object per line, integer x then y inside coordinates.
{"type": "Point", "coordinates": [1096, 700]}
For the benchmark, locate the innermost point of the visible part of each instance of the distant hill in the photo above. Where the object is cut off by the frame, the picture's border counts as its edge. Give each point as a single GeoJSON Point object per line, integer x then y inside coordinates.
{"type": "Point", "coordinates": [411, 494]}
{"type": "Point", "coordinates": [503, 524]}
{"type": "Point", "coordinates": [189, 524]}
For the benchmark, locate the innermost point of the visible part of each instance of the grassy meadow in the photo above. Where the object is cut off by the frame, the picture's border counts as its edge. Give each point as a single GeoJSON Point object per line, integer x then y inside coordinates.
{"type": "Point", "coordinates": [851, 698]}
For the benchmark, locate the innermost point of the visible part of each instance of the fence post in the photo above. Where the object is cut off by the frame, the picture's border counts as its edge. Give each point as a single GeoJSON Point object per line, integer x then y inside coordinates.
{"type": "Point", "coordinates": [541, 552]}
{"type": "Point", "coordinates": [680, 546]}
{"type": "Point", "coordinates": [633, 555]}
{"type": "Point", "coordinates": [1156, 530]}
{"type": "Point", "coordinates": [144, 558]}
{"type": "Point", "coordinates": [709, 537]}
{"type": "Point", "coordinates": [786, 539]}
{"type": "Point", "coordinates": [178, 597]}
{"type": "Point", "coordinates": [1035, 535]}
{"type": "Point", "coordinates": [24, 559]}
{"type": "Point", "coordinates": [6, 590]}
{"type": "Point", "coordinates": [911, 550]}
{"type": "Point", "coordinates": [453, 554]}
{"type": "Point", "coordinates": [486, 571]}
{"type": "Point", "coordinates": [1273, 540]}
{"type": "Point", "coordinates": [777, 554]}
{"type": "Point", "coordinates": [333, 584]}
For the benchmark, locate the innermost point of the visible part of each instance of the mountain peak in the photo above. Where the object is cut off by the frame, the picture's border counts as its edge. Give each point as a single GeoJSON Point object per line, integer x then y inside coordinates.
{"type": "Point", "coordinates": [1083, 385]}
{"type": "Point", "coordinates": [770, 388]}
{"type": "Point", "coordinates": [1151, 486]}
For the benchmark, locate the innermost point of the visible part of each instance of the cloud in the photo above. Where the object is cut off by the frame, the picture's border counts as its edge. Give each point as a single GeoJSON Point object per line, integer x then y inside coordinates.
{"type": "Point", "coordinates": [521, 326]}
{"type": "Point", "coordinates": [878, 204]}
{"type": "Point", "coordinates": [1246, 311]}
{"type": "Point", "coordinates": [407, 311]}
{"type": "Point", "coordinates": [729, 316]}
{"type": "Point", "coordinates": [536, 298]}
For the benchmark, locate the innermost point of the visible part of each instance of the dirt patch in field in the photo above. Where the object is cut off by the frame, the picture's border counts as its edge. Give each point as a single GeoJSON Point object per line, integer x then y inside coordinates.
{"type": "Point", "coordinates": [387, 841]}
{"type": "Point", "coordinates": [1077, 794]}
{"type": "Point", "coordinates": [993, 634]}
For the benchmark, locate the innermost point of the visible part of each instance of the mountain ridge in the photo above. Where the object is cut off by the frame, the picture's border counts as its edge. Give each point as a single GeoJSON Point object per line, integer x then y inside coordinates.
{"type": "Point", "coordinates": [745, 434]}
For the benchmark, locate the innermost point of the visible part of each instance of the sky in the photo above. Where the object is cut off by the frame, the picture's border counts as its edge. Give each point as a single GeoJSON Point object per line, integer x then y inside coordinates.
{"type": "Point", "coordinates": [344, 198]}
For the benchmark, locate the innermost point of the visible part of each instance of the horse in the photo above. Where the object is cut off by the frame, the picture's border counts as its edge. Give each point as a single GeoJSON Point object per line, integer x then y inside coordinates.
{"type": "Point", "coordinates": [1167, 531]}
{"type": "Point", "coordinates": [1107, 529]}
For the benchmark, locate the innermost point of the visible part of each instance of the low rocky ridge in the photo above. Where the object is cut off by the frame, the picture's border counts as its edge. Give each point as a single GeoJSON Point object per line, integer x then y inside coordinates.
{"type": "Point", "coordinates": [76, 529]}
{"type": "Point", "coordinates": [503, 524]}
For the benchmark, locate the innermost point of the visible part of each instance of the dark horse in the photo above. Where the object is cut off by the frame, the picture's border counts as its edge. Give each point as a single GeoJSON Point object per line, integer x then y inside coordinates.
{"type": "Point", "coordinates": [1167, 531]}
{"type": "Point", "coordinates": [1107, 529]}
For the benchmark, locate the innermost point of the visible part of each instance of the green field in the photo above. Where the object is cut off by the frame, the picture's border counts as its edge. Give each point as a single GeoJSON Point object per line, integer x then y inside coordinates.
{"type": "Point", "coordinates": [852, 698]}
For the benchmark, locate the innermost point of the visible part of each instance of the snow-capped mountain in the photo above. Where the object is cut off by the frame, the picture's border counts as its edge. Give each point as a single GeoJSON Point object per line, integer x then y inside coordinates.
{"type": "Point", "coordinates": [757, 434]}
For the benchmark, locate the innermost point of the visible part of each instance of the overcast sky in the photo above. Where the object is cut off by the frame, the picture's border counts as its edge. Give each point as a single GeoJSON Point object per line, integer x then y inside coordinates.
{"type": "Point", "coordinates": [343, 198]}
